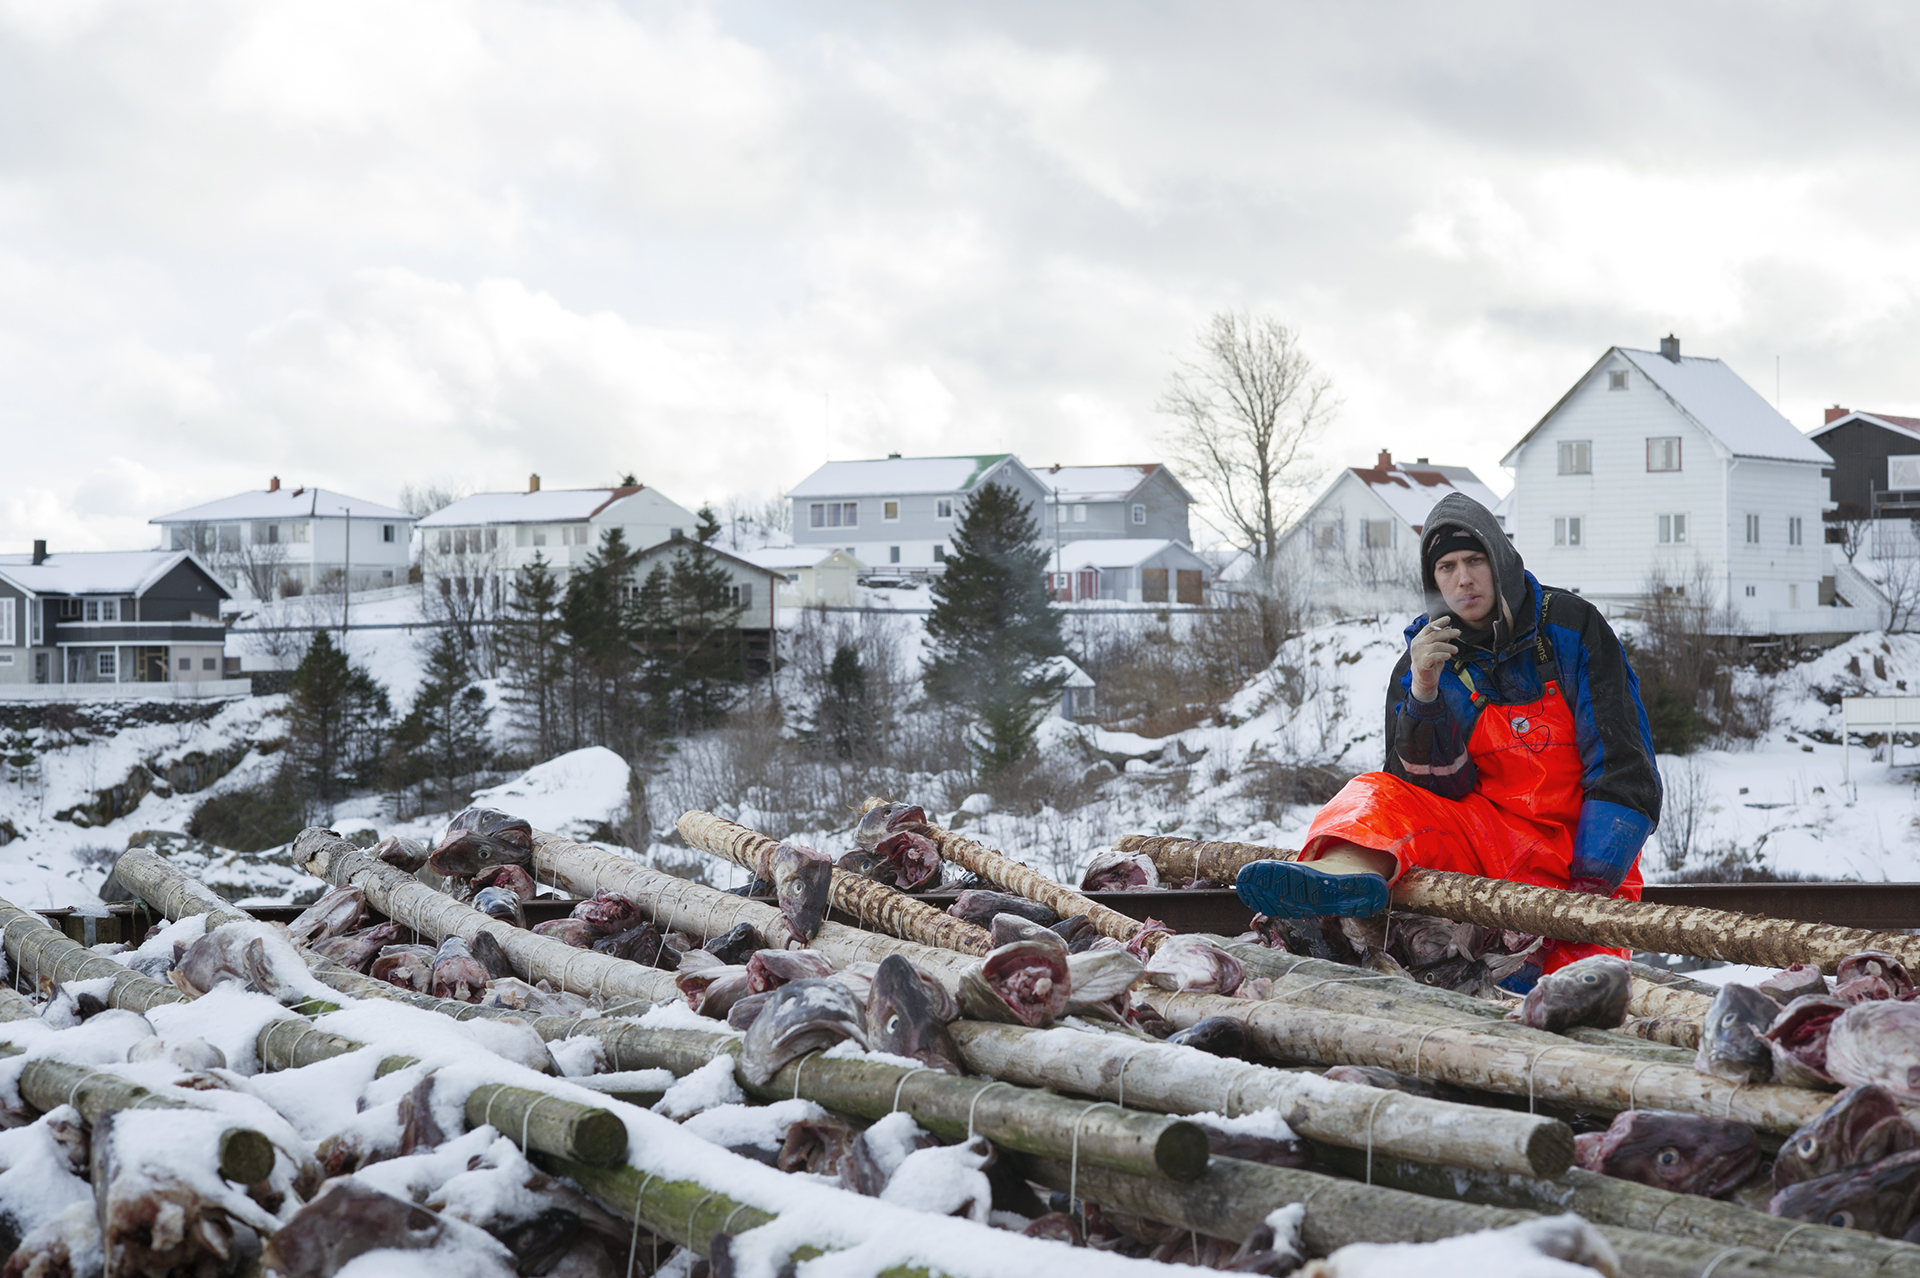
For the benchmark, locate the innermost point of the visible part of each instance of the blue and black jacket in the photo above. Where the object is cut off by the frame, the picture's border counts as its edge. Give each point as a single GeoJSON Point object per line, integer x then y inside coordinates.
{"type": "Point", "coordinates": [1427, 741]}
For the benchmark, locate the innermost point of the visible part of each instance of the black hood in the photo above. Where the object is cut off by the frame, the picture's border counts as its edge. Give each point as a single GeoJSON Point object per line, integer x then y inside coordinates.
{"type": "Point", "coordinates": [1515, 614]}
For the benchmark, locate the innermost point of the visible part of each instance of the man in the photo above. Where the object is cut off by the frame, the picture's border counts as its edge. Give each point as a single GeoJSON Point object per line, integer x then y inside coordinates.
{"type": "Point", "coordinates": [1517, 748]}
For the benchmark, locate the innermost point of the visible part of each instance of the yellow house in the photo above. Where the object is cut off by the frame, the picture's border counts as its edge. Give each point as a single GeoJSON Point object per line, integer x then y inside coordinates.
{"type": "Point", "coordinates": [811, 576]}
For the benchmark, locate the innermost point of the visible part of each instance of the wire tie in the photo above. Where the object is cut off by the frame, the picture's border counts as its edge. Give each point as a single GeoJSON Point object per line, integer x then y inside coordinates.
{"type": "Point", "coordinates": [727, 1228]}
{"type": "Point", "coordinates": [486, 1115]}
{"type": "Point", "coordinates": [1073, 1165]}
{"type": "Point", "coordinates": [975, 1104]}
{"type": "Point", "coordinates": [1715, 1262]}
{"type": "Point", "coordinates": [902, 1083]}
{"type": "Point", "coordinates": [1417, 1047]}
{"type": "Point", "coordinates": [1370, 1113]}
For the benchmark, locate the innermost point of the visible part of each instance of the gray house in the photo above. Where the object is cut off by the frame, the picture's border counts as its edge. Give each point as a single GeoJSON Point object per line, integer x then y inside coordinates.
{"type": "Point", "coordinates": [751, 588]}
{"type": "Point", "coordinates": [1140, 502]}
{"type": "Point", "coordinates": [897, 514]}
{"type": "Point", "coordinates": [143, 616]}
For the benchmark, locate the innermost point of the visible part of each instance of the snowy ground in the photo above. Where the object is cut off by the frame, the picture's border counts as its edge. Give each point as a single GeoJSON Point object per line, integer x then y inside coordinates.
{"type": "Point", "coordinates": [1779, 803]}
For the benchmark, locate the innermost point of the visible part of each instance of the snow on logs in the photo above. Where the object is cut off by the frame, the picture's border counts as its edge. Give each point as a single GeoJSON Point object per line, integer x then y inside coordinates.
{"type": "Point", "coordinates": [1009, 875]}
{"type": "Point", "coordinates": [873, 904]}
{"type": "Point", "coordinates": [1574, 916]}
{"type": "Point", "coordinates": [407, 900]}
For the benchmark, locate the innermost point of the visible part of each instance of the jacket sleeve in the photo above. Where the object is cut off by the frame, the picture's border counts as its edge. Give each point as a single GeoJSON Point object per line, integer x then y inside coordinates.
{"type": "Point", "coordinates": [1619, 775]}
{"type": "Point", "coordinates": [1427, 740]}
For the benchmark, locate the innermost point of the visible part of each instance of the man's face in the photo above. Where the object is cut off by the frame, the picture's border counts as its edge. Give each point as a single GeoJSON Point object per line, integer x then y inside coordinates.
{"type": "Point", "coordinates": [1465, 579]}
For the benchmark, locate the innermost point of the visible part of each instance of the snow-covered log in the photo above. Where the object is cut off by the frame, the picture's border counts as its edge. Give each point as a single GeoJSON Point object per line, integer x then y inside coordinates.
{"type": "Point", "coordinates": [1578, 916]}
{"type": "Point", "coordinates": [1608, 1200]}
{"type": "Point", "coordinates": [677, 905]}
{"type": "Point", "coordinates": [169, 891]}
{"type": "Point", "coordinates": [1009, 875]}
{"type": "Point", "coordinates": [246, 1156]}
{"type": "Point", "coordinates": [406, 900]}
{"type": "Point", "coordinates": [1570, 1073]}
{"type": "Point", "coordinates": [1180, 859]}
{"type": "Point", "coordinates": [1235, 1196]}
{"type": "Point", "coordinates": [1182, 1080]}
{"type": "Point", "coordinates": [38, 949]}
{"type": "Point", "coordinates": [13, 1007]}
{"type": "Point", "coordinates": [873, 904]}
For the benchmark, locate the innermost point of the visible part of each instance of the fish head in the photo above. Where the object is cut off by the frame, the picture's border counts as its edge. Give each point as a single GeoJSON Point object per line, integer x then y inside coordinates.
{"type": "Point", "coordinates": [803, 1016]}
{"type": "Point", "coordinates": [903, 1018]}
{"type": "Point", "coordinates": [1879, 1198]}
{"type": "Point", "coordinates": [1794, 982]}
{"type": "Point", "coordinates": [877, 822]}
{"type": "Point", "coordinates": [608, 911]}
{"type": "Point", "coordinates": [499, 903]}
{"type": "Point", "coordinates": [1863, 1125]}
{"type": "Point", "coordinates": [1883, 969]}
{"type": "Point", "coordinates": [346, 1219]}
{"type": "Point", "coordinates": [913, 857]}
{"type": "Point", "coordinates": [1877, 1042]}
{"type": "Point", "coordinates": [1681, 1153]}
{"type": "Point", "coordinates": [1593, 991]}
{"type": "Point", "coordinates": [802, 884]}
{"type": "Point", "coordinates": [1120, 872]}
{"type": "Point", "coordinates": [1193, 964]}
{"type": "Point", "coordinates": [1216, 1035]}
{"type": "Point", "coordinates": [1005, 929]}
{"type": "Point", "coordinates": [1730, 1042]}
{"type": "Point", "coordinates": [736, 944]}
{"type": "Point", "coordinates": [1418, 941]}
{"type": "Point", "coordinates": [510, 876]}
{"type": "Point", "coordinates": [1798, 1039]}
{"type": "Point", "coordinates": [1029, 980]}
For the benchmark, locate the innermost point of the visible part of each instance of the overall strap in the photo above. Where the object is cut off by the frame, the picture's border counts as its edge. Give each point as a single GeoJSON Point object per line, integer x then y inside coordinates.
{"type": "Point", "coordinates": [1543, 654]}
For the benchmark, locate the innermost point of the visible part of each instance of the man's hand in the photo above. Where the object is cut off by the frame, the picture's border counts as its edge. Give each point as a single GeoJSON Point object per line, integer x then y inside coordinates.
{"type": "Point", "coordinates": [1432, 648]}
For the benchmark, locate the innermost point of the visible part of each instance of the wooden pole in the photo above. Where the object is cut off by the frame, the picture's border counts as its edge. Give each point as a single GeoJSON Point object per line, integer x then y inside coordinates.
{"type": "Point", "coordinates": [38, 949]}
{"type": "Point", "coordinates": [1235, 1196]}
{"type": "Point", "coordinates": [1606, 1200]}
{"type": "Point", "coordinates": [872, 904]}
{"type": "Point", "coordinates": [1183, 1080]}
{"type": "Point", "coordinates": [1571, 1073]}
{"type": "Point", "coordinates": [1009, 875]}
{"type": "Point", "coordinates": [1179, 859]}
{"type": "Point", "coordinates": [678, 905]}
{"type": "Point", "coordinates": [406, 900]}
{"type": "Point", "coordinates": [170, 891]}
{"type": "Point", "coordinates": [1598, 920]}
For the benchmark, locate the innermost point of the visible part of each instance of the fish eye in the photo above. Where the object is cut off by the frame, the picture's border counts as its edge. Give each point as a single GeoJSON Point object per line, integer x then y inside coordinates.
{"type": "Point", "coordinates": [893, 1023]}
{"type": "Point", "coordinates": [1730, 1019]}
{"type": "Point", "coordinates": [1841, 1220]}
{"type": "Point", "coordinates": [485, 855]}
{"type": "Point", "coordinates": [1589, 978]}
{"type": "Point", "coordinates": [1807, 1146]}
{"type": "Point", "coordinates": [1667, 1157]}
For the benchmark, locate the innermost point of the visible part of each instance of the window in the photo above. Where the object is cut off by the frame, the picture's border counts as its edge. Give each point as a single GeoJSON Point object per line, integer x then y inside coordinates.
{"type": "Point", "coordinates": [36, 626]}
{"type": "Point", "coordinates": [1749, 592]}
{"type": "Point", "coordinates": [1663, 452]}
{"type": "Point", "coordinates": [831, 514]}
{"type": "Point", "coordinates": [209, 663]}
{"type": "Point", "coordinates": [7, 607]}
{"type": "Point", "coordinates": [298, 531]}
{"type": "Point", "coordinates": [893, 554]}
{"type": "Point", "coordinates": [386, 532]}
{"type": "Point", "coordinates": [229, 539]}
{"type": "Point", "coordinates": [1376, 534]}
{"type": "Point", "coordinates": [1793, 530]}
{"type": "Point", "coordinates": [69, 610]}
{"type": "Point", "coordinates": [186, 663]}
{"type": "Point", "coordinates": [1753, 530]}
{"type": "Point", "coordinates": [1616, 379]}
{"type": "Point", "coordinates": [104, 665]}
{"type": "Point", "coordinates": [793, 579]}
{"type": "Point", "coordinates": [1059, 513]}
{"type": "Point", "coordinates": [1576, 457]}
{"type": "Point", "coordinates": [266, 534]}
{"type": "Point", "coordinates": [1793, 596]}
{"type": "Point", "coordinates": [939, 553]}
{"type": "Point", "coordinates": [674, 534]}
{"type": "Point", "coordinates": [1566, 532]}
{"type": "Point", "coordinates": [1326, 536]}
{"type": "Point", "coordinates": [943, 508]}
{"type": "Point", "coordinates": [890, 511]}
{"type": "Point", "coordinates": [741, 596]}
{"type": "Point", "coordinates": [1139, 512]}
{"type": "Point", "coordinates": [93, 610]}
{"type": "Point", "coordinates": [1080, 512]}
{"type": "Point", "coordinates": [1673, 530]}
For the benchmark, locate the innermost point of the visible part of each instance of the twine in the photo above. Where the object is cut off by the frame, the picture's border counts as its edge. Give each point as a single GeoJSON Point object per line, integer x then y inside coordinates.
{"type": "Point", "coordinates": [1635, 1081]}
{"type": "Point", "coordinates": [727, 1228]}
{"type": "Point", "coordinates": [902, 1083]}
{"type": "Point", "coordinates": [1535, 1061]}
{"type": "Point", "coordinates": [1370, 1113]}
{"type": "Point", "coordinates": [1730, 1096]}
{"type": "Point", "coordinates": [1073, 1165]}
{"type": "Point", "coordinates": [799, 1066]}
{"type": "Point", "coordinates": [695, 1212]}
{"type": "Point", "coordinates": [526, 1119]}
{"type": "Point", "coordinates": [1789, 1234]}
{"type": "Point", "coordinates": [1421, 1044]}
{"type": "Point", "coordinates": [975, 1102]}
{"type": "Point", "coordinates": [1121, 1099]}
{"type": "Point", "coordinates": [1715, 1262]}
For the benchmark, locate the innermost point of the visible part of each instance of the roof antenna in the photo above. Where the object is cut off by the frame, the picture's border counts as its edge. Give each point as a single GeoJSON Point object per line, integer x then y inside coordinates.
{"type": "Point", "coordinates": [1776, 383]}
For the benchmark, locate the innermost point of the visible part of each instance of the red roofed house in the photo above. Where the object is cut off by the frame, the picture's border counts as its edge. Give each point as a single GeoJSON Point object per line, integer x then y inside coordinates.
{"type": "Point", "coordinates": [1876, 475]}
{"type": "Point", "coordinates": [1356, 549]}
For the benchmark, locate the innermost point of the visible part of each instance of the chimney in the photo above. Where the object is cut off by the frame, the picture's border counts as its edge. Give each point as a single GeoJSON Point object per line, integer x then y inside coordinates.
{"type": "Point", "coordinates": [39, 551]}
{"type": "Point", "coordinates": [533, 483]}
{"type": "Point", "coordinates": [1834, 414]}
{"type": "Point", "coordinates": [1386, 460]}
{"type": "Point", "coordinates": [893, 456]}
{"type": "Point", "coordinates": [1670, 347]}
{"type": "Point", "coordinates": [1420, 461]}
{"type": "Point", "coordinates": [273, 485]}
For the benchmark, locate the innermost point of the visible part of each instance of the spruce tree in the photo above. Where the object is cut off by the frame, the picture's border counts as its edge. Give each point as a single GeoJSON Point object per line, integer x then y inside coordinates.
{"type": "Point", "coordinates": [336, 717]}
{"type": "Point", "coordinates": [708, 658]}
{"type": "Point", "coordinates": [534, 655]}
{"type": "Point", "coordinates": [992, 630]}
{"type": "Point", "coordinates": [442, 742]}
{"type": "Point", "coordinates": [840, 715]}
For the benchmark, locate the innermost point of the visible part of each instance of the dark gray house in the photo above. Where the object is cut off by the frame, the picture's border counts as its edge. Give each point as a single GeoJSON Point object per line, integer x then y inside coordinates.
{"type": "Point", "coordinates": [1137, 502]}
{"type": "Point", "coordinates": [1876, 463]}
{"type": "Point", "coordinates": [142, 616]}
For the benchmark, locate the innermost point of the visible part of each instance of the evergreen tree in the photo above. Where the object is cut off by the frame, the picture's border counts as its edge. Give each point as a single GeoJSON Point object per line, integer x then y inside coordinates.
{"type": "Point", "coordinates": [602, 670]}
{"type": "Point", "coordinates": [534, 658]}
{"type": "Point", "coordinates": [992, 631]}
{"type": "Point", "coordinates": [708, 657]}
{"type": "Point", "coordinates": [336, 715]}
{"type": "Point", "coordinates": [17, 749]}
{"type": "Point", "coordinates": [443, 740]}
{"type": "Point", "coordinates": [841, 714]}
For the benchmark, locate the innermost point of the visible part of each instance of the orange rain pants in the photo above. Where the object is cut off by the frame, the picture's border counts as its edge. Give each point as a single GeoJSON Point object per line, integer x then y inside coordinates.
{"type": "Point", "coordinates": [1517, 824]}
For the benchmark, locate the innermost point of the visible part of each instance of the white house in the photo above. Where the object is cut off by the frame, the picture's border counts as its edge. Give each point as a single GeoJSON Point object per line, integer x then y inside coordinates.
{"type": "Point", "coordinates": [1657, 470]}
{"type": "Point", "coordinates": [495, 534]}
{"type": "Point", "coordinates": [898, 513]}
{"type": "Point", "coordinates": [1356, 549]}
{"type": "Point", "coordinates": [287, 540]}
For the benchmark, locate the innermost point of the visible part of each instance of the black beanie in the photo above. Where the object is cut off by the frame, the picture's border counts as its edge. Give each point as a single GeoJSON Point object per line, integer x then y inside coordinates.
{"type": "Point", "coordinates": [1445, 542]}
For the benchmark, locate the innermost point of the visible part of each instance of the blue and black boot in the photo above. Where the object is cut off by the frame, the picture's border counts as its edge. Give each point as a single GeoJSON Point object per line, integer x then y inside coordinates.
{"type": "Point", "coordinates": [1296, 890]}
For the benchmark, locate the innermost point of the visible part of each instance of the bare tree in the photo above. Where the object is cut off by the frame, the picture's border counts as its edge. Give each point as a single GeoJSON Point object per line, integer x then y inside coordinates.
{"type": "Point", "coordinates": [261, 567]}
{"type": "Point", "coordinates": [1900, 583]}
{"type": "Point", "coordinates": [421, 500]}
{"type": "Point", "coordinates": [1853, 527]}
{"type": "Point", "coordinates": [1246, 409]}
{"type": "Point", "coordinates": [777, 513]}
{"type": "Point", "coordinates": [463, 571]}
{"type": "Point", "coordinates": [1686, 799]}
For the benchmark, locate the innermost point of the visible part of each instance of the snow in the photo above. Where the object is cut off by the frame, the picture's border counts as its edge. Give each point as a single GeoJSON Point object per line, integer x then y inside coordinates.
{"type": "Point", "coordinates": [577, 1057]}
{"type": "Point", "coordinates": [36, 1180]}
{"type": "Point", "coordinates": [759, 1126]}
{"type": "Point", "coordinates": [1286, 1224]}
{"type": "Point", "coordinates": [709, 1087]}
{"type": "Point", "coordinates": [229, 1016]}
{"type": "Point", "coordinates": [677, 1015]}
{"type": "Point", "coordinates": [569, 794]}
{"type": "Point", "coordinates": [283, 503]}
{"type": "Point", "coordinates": [1513, 1252]}
{"type": "Point", "coordinates": [896, 477]}
{"type": "Point", "coordinates": [1093, 483]}
{"type": "Point", "coordinates": [548, 506]}
{"type": "Point", "coordinates": [891, 1138]}
{"type": "Point", "coordinates": [182, 1146]}
{"type": "Point", "coordinates": [1726, 407]}
{"type": "Point", "coordinates": [93, 572]}
{"type": "Point", "coordinates": [1258, 1122]}
{"type": "Point", "coordinates": [945, 1180]}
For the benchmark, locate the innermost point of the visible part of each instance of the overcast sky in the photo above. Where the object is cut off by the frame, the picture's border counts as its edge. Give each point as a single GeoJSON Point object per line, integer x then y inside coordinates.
{"type": "Point", "coordinates": [357, 244]}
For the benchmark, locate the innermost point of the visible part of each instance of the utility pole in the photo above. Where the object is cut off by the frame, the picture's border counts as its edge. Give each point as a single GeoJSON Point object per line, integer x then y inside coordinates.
{"type": "Point", "coordinates": [346, 584]}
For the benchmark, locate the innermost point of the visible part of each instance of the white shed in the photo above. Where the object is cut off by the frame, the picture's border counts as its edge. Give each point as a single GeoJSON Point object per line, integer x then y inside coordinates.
{"type": "Point", "coordinates": [810, 577]}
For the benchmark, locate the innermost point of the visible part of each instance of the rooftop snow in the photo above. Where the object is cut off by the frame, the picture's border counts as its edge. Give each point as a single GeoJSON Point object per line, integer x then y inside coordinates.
{"type": "Point", "coordinates": [1110, 552]}
{"type": "Point", "coordinates": [780, 558]}
{"type": "Point", "coordinates": [1726, 407]}
{"type": "Point", "coordinates": [93, 572]}
{"type": "Point", "coordinates": [1094, 483]}
{"type": "Point", "coordinates": [283, 503]}
{"type": "Point", "coordinates": [897, 476]}
{"type": "Point", "coordinates": [1411, 491]}
{"type": "Point", "coordinates": [1906, 425]}
{"type": "Point", "coordinates": [548, 506]}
